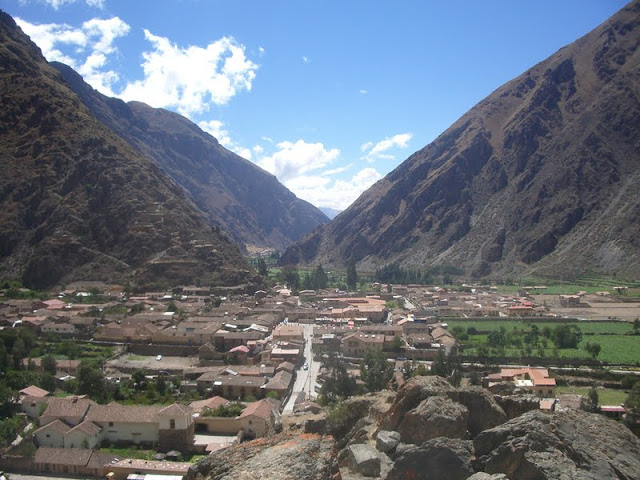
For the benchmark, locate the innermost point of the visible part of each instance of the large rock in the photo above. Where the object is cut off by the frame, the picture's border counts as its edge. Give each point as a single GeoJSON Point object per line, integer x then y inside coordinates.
{"type": "Point", "coordinates": [294, 457]}
{"type": "Point", "coordinates": [516, 405]}
{"type": "Point", "coordinates": [438, 459]}
{"type": "Point", "coordinates": [387, 441]}
{"type": "Point", "coordinates": [486, 476]}
{"type": "Point", "coordinates": [434, 417]}
{"type": "Point", "coordinates": [484, 412]}
{"type": "Point", "coordinates": [570, 444]}
{"type": "Point", "coordinates": [364, 460]}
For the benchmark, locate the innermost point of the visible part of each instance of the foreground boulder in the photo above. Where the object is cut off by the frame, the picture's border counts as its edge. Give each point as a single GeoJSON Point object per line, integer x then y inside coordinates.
{"type": "Point", "coordinates": [483, 411]}
{"type": "Point", "coordinates": [363, 459]}
{"type": "Point", "coordinates": [294, 457]}
{"type": "Point", "coordinates": [570, 444]}
{"type": "Point", "coordinates": [434, 417]}
{"type": "Point", "coordinates": [438, 459]}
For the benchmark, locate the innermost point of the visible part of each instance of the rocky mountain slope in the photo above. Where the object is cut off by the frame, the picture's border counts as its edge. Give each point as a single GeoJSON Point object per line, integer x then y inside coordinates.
{"type": "Point", "coordinates": [237, 195]}
{"type": "Point", "coordinates": [76, 201]}
{"type": "Point", "coordinates": [541, 177]}
{"type": "Point", "coordinates": [432, 430]}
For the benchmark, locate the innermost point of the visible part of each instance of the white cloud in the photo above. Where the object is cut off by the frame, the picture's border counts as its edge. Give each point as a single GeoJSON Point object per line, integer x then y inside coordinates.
{"type": "Point", "coordinates": [261, 51]}
{"type": "Point", "coordinates": [56, 4]}
{"type": "Point", "coordinates": [85, 48]}
{"type": "Point", "coordinates": [363, 92]}
{"type": "Point", "coordinates": [377, 150]}
{"type": "Point", "coordinates": [302, 168]}
{"type": "Point", "coordinates": [338, 194]}
{"type": "Point", "coordinates": [218, 130]}
{"type": "Point", "coordinates": [258, 149]}
{"type": "Point", "coordinates": [293, 160]}
{"type": "Point", "coordinates": [305, 59]}
{"type": "Point", "coordinates": [189, 79]}
{"type": "Point", "coordinates": [335, 171]}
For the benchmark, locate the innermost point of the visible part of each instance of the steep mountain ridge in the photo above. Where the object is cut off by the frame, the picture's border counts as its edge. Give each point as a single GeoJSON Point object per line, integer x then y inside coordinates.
{"type": "Point", "coordinates": [77, 202]}
{"type": "Point", "coordinates": [541, 177]}
{"type": "Point", "coordinates": [244, 200]}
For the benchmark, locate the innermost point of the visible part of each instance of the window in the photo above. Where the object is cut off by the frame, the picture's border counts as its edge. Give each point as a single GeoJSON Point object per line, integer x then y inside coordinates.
{"type": "Point", "coordinates": [172, 424]}
{"type": "Point", "coordinates": [250, 422]}
{"type": "Point", "coordinates": [48, 436]}
{"type": "Point", "coordinates": [111, 424]}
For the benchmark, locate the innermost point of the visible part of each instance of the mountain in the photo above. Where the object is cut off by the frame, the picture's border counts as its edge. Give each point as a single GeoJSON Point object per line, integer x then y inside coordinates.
{"type": "Point", "coordinates": [542, 177]}
{"type": "Point", "coordinates": [78, 202]}
{"type": "Point", "coordinates": [330, 212]}
{"type": "Point", "coordinates": [237, 195]}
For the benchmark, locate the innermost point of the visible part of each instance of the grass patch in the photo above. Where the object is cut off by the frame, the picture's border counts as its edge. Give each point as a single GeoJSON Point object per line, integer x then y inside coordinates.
{"type": "Point", "coordinates": [136, 358]}
{"type": "Point", "coordinates": [617, 347]}
{"type": "Point", "coordinates": [607, 396]}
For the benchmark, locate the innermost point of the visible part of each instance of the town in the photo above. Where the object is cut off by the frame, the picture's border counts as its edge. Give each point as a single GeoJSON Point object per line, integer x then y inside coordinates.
{"type": "Point", "coordinates": [187, 372]}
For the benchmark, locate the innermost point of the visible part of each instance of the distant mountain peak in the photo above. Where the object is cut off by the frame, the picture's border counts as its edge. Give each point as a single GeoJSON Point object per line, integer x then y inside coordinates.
{"type": "Point", "coordinates": [541, 177]}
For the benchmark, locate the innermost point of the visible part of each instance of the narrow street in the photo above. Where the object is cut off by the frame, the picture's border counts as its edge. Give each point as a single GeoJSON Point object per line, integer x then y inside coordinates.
{"type": "Point", "coordinates": [306, 379]}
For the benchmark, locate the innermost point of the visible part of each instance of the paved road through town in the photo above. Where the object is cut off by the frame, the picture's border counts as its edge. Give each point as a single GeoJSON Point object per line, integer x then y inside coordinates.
{"type": "Point", "coordinates": [306, 379]}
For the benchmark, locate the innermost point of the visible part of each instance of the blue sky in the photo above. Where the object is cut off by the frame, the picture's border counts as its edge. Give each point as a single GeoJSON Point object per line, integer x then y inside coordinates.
{"type": "Point", "coordinates": [329, 96]}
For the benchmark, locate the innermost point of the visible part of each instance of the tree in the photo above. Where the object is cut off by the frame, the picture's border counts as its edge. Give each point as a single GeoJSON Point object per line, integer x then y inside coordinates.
{"type": "Point", "coordinates": [352, 275]}
{"type": "Point", "coordinates": [18, 352]}
{"type": "Point", "coordinates": [321, 278]}
{"type": "Point", "coordinates": [91, 382]}
{"type": "Point", "coordinates": [496, 338]}
{"type": "Point", "coordinates": [339, 385]}
{"type": "Point", "coordinates": [593, 349]}
{"type": "Point", "coordinates": [375, 371]}
{"type": "Point", "coordinates": [636, 326]}
{"type": "Point", "coordinates": [632, 404]}
{"type": "Point", "coordinates": [49, 364]}
{"type": "Point", "coordinates": [594, 405]}
{"type": "Point", "coordinates": [289, 276]}
{"type": "Point", "coordinates": [397, 344]}
{"type": "Point", "coordinates": [263, 270]}
{"type": "Point", "coordinates": [566, 336]}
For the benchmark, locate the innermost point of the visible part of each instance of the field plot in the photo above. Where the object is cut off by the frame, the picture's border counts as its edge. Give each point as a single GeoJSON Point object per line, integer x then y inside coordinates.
{"type": "Point", "coordinates": [606, 396]}
{"type": "Point", "coordinates": [617, 344]}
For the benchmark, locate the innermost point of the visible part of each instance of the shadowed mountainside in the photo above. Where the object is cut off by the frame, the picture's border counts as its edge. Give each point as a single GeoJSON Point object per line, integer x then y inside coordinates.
{"type": "Point", "coordinates": [244, 200]}
{"type": "Point", "coordinates": [541, 177]}
{"type": "Point", "coordinates": [77, 202]}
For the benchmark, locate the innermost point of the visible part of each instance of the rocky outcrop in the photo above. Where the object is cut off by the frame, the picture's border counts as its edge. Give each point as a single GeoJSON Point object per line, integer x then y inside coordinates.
{"type": "Point", "coordinates": [483, 411]}
{"type": "Point", "coordinates": [438, 459]}
{"type": "Point", "coordinates": [387, 441]}
{"type": "Point", "coordinates": [568, 444]}
{"type": "Point", "coordinates": [434, 417]}
{"type": "Point", "coordinates": [299, 457]}
{"type": "Point", "coordinates": [516, 405]}
{"type": "Point", "coordinates": [364, 460]}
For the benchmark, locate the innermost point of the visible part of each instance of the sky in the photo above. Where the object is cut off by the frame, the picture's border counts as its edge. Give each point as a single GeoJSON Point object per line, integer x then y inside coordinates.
{"type": "Point", "coordinates": [329, 96]}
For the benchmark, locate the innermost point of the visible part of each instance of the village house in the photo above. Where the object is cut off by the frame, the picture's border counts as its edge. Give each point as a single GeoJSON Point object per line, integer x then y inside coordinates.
{"type": "Point", "coordinates": [75, 462]}
{"type": "Point", "coordinates": [534, 380]}
{"type": "Point", "coordinates": [289, 333]}
{"type": "Point", "coordinates": [259, 418]}
{"type": "Point", "coordinates": [279, 384]}
{"type": "Point", "coordinates": [357, 344]}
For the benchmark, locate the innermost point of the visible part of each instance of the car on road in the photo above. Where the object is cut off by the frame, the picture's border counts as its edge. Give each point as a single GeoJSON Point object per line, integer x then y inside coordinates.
{"type": "Point", "coordinates": [158, 357]}
{"type": "Point", "coordinates": [305, 366]}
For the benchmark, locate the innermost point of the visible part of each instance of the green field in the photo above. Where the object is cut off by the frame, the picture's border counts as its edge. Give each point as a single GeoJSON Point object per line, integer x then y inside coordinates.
{"type": "Point", "coordinates": [617, 347]}
{"type": "Point", "coordinates": [587, 327]}
{"type": "Point", "coordinates": [606, 396]}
